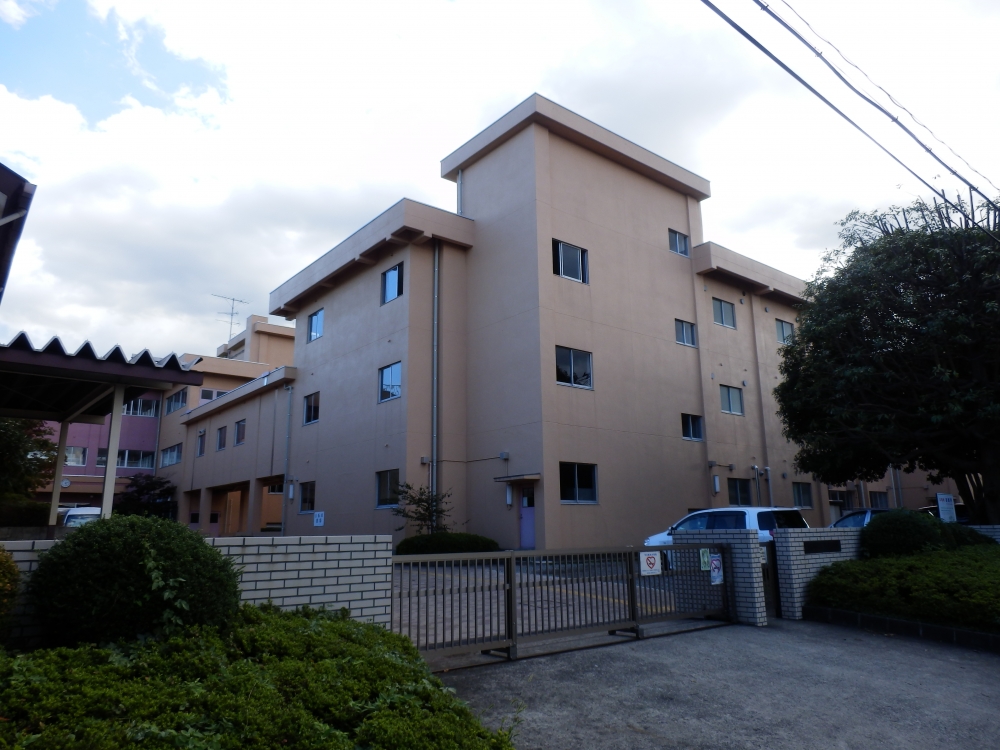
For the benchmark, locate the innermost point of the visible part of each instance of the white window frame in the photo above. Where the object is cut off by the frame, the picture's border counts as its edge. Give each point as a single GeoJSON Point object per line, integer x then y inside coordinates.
{"type": "Point", "coordinates": [680, 243]}
{"type": "Point", "coordinates": [398, 268]}
{"type": "Point", "coordinates": [174, 453]}
{"type": "Point", "coordinates": [221, 436]}
{"type": "Point", "coordinates": [783, 336]}
{"type": "Point", "coordinates": [240, 433]}
{"type": "Point", "coordinates": [681, 330]}
{"type": "Point", "coordinates": [720, 311]}
{"type": "Point", "coordinates": [797, 489]}
{"type": "Point", "coordinates": [688, 420]}
{"type": "Point", "coordinates": [398, 385]}
{"type": "Point", "coordinates": [75, 450]}
{"type": "Point", "coordinates": [572, 377]}
{"type": "Point", "coordinates": [310, 401]}
{"type": "Point", "coordinates": [176, 400]}
{"type": "Point", "coordinates": [314, 331]}
{"type": "Point", "coordinates": [558, 264]}
{"type": "Point", "coordinates": [199, 449]}
{"type": "Point", "coordinates": [141, 407]}
{"type": "Point", "coordinates": [576, 484]}
{"type": "Point", "coordinates": [726, 400]}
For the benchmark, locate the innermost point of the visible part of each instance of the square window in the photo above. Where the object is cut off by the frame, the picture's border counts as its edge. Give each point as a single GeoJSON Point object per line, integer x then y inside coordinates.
{"type": "Point", "coordinates": [75, 456]}
{"type": "Point", "coordinates": [732, 399]}
{"type": "Point", "coordinates": [786, 331]}
{"type": "Point", "coordinates": [207, 394]}
{"type": "Point", "coordinates": [392, 283]}
{"type": "Point", "coordinates": [679, 243]}
{"type": "Point", "coordinates": [220, 438]}
{"type": "Point", "coordinates": [176, 401]}
{"type": "Point", "coordinates": [739, 492]}
{"type": "Point", "coordinates": [685, 333]}
{"type": "Point", "coordinates": [200, 445]}
{"type": "Point", "coordinates": [307, 497]}
{"type": "Point", "coordinates": [170, 456]}
{"type": "Point", "coordinates": [390, 382]}
{"type": "Point", "coordinates": [387, 487]}
{"type": "Point", "coordinates": [102, 457]}
{"type": "Point", "coordinates": [310, 408]}
{"type": "Point", "coordinates": [879, 500]}
{"type": "Point", "coordinates": [315, 328]}
{"type": "Point", "coordinates": [275, 489]}
{"type": "Point", "coordinates": [843, 498]}
{"type": "Point", "coordinates": [577, 482]}
{"type": "Point", "coordinates": [724, 313]}
{"type": "Point", "coordinates": [241, 432]}
{"type": "Point", "coordinates": [574, 367]}
{"type": "Point", "coordinates": [802, 495]}
{"type": "Point", "coordinates": [691, 427]}
{"type": "Point", "coordinates": [570, 262]}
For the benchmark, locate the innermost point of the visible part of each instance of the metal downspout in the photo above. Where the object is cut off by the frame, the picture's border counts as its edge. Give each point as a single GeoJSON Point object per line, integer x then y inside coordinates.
{"type": "Point", "coordinates": [770, 492]}
{"type": "Point", "coordinates": [459, 211]}
{"type": "Point", "coordinates": [287, 495]}
{"type": "Point", "coordinates": [436, 324]}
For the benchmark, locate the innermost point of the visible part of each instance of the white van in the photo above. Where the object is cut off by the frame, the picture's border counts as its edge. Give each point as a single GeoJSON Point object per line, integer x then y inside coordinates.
{"type": "Point", "coordinates": [75, 517]}
{"type": "Point", "coordinates": [765, 520]}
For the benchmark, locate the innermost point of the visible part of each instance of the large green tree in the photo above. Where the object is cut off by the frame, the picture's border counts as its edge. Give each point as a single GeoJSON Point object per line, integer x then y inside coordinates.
{"type": "Point", "coordinates": [27, 456]}
{"type": "Point", "coordinates": [896, 357]}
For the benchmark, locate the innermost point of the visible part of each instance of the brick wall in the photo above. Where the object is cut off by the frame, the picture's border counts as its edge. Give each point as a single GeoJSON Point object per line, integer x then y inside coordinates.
{"type": "Point", "coordinates": [335, 571]}
{"type": "Point", "coordinates": [796, 566]}
{"type": "Point", "coordinates": [744, 579]}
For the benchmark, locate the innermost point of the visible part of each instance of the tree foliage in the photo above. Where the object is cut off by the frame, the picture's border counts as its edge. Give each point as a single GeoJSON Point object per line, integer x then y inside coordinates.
{"type": "Point", "coordinates": [147, 495]}
{"type": "Point", "coordinates": [427, 510]}
{"type": "Point", "coordinates": [27, 456]}
{"type": "Point", "coordinates": [896, 360]}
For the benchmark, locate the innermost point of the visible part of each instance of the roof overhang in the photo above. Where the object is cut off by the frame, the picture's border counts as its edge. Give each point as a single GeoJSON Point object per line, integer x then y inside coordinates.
{"type": "Point", "coordinates": [15, 202]}
{"type": "Point", "coordinates": [519, 478]}
{"type": "Point", "coordinates": [405, 223]}
{"type": "Point", "coordinates": [583, 132]}
{"type": "Point", "coordinates": [270, 381]}
{"type": "Point", "coordinates": [49, 383]}
{"type": "Point", "coordinates": [710, 259]}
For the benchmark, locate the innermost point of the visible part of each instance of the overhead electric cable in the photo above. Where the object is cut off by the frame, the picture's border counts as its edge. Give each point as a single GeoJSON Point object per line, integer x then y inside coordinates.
{"type": "Point", "coordinates": [834, 107]}
{"type": "Point", "coordinates": [764, 7]}
{"type": "Point", "coordinates": [891, 97]}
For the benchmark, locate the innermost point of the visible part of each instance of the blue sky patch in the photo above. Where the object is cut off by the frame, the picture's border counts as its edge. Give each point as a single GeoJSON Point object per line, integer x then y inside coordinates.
{"type": "Point", "coordinates": [67, 52]}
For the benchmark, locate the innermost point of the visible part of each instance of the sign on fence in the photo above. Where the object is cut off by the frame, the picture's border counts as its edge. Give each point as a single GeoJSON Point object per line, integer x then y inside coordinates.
{"type": "Point", "coordinates": [706, 558]}
{"type": "Point", "coordinates": [649, 563]}
{"type": "Point", "coordinates": [716, 563]}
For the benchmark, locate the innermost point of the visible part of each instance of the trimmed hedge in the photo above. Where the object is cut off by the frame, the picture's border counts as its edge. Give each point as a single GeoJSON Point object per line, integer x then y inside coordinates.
{"type": "Point", "coordinates": [444, 543]}
{"type": "Point", "coordinates": [905, 532]}
{"type": "Point", "coordinates": [17, 510]}
{"type": "Point", "coordinates": [959, 588]}
{"type": "Point", "coordinates": [10, 576]}
{"type": "Point", "coordinates": [304, 680]}
{"type": "Point", "coordinates": [130, 575]}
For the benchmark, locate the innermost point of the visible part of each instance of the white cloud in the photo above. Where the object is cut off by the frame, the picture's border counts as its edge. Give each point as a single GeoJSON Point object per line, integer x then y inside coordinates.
{"type": "Point", "coordinates": [14, 13]}
{"type": "Point", "coordinates": [329, 112]}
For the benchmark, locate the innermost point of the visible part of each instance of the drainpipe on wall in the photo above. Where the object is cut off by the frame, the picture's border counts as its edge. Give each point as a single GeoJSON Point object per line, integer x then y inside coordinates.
{"type": "Point", "coordinates": [436, 324]}
{"type": "Point", "coordinates": [770, 492]}
{"type": "Point", "coordinates": [287, 494]}
{"type": "Point", "coordinates": [756, 479]}
{"type": "Point", "coordinates": [459, 212]}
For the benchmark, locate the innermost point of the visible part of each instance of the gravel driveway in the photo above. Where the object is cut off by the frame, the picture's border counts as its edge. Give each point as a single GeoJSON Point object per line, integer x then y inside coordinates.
{"type": "Point", "coordinates": [790, 685]}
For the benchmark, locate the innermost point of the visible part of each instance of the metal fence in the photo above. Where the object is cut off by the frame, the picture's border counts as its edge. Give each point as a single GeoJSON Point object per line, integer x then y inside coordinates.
{"type": "Point", "coordinates": [493, 600]}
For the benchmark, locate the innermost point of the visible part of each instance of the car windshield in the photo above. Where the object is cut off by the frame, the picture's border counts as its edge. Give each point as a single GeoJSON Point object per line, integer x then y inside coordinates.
{"type": "Point", "coordinates": [80, 519]}
{"type": "Point", "coordinates": [693, 523]}
{"type": "Point", "coordinates": [851, 521]}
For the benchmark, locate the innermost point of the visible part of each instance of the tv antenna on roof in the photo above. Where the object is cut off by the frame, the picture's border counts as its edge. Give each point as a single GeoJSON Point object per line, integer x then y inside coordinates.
{"type": "Point", "coordinates": [232, 311]}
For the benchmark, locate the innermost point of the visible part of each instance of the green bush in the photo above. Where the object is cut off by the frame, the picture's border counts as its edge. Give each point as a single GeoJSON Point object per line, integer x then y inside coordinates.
{"type": "Point", "coordinates": [10, 576]}
{"type": "Point", "coordinates": [17, 510]}
{"type": "Point", "coordinates": [129, 575]}
{"type": "Point", "coordinates": [905, 532]}
{"type": "Point", "coordinates": [275, 679]}
{"type": "Point", "coordinates": [959, 588]}
{"type": "Point", "coordinates": [445, 542]}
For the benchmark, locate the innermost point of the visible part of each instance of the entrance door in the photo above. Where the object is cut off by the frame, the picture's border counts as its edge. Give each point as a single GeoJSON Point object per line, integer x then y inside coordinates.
{"type": "Point", "coordinates": [527, 517]}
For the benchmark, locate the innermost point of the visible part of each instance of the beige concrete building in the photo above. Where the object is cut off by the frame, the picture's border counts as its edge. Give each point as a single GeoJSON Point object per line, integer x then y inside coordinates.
{"type": "Point", "coordinates": [565, 354]}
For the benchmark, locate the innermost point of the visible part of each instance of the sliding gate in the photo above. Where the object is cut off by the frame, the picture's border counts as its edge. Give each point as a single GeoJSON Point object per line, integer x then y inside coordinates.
{"type": "Point", "coordinates": [494, 600]}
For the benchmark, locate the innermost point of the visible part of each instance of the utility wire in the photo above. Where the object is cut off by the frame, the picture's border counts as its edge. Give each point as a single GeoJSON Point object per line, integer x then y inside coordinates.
{"type": "Point", "coordinates": [834, 107]}
{"type": "Point", "coordinates": [891, 97]}
{"type": "Point", "coordinates": [764, 7]}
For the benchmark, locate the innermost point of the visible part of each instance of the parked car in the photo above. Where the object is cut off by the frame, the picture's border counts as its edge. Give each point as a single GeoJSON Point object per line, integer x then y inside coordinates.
{"type": "Point", "coordinates": [75, 517]}
{"type": "Point", "coordinates": [961, 512]}
{"type": "Point", "coordinates": [856, 519]}
{"type": "Point", "coordinates": [765, 520]}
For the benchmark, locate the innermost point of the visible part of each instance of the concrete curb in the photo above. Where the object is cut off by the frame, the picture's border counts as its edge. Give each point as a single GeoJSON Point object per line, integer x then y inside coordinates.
{"type": "Point", "coordinates": [911, 628]}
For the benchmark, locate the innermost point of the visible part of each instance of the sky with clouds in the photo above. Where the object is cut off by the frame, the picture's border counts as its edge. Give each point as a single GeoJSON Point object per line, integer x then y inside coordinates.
{"type": "Point", "coordinates": [185, 148]}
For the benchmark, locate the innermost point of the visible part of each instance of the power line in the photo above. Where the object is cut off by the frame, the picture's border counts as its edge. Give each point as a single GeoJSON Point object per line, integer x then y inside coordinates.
{"type": "Point", "coordinates": [764, 7]}
{"type": "Point", "coordinates": [834, 107]}
{"type": "Point", "coordinates": [891, 97]}
{"type": "Point", "coordinates": [232, 311]}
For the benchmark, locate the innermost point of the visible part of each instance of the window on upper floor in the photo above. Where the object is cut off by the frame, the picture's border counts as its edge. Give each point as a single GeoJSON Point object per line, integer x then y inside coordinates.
{"type": "Point", "coordinates": [199, 449]}
{"type": "Point", "coordinates": [843, 498]}
{"type": "Point", "coordinates": [102, 458]}
{"type": "Point", "coordinates": [133, 459]}
{"type": "Point", "coordinates": [692, 427]}
{"type": "Point", "coordinates": [220, 438]}
{"type": "Point", "coordinates": [570, 262]}
{"type": "Point", "coordinates": [392, 283]}
{"type": "Point", "coordinates": [685, 333]}
{"type": "Point", "coordinates": [577, 482]}
{"type": "Point", "coordinates": [879, 500]}
{"type": "Point", "coordinates": [307, 497]}
{"type": "Point", "coordinates": [574, 367]}
{"type": "Point", "coordinates": [387, 487]}
{"type": "Point", "coordinates": [679, 243]}
{"type": "Point", "coordinates": [739, 492]}
{"type": "Point", "coordinates": [390, 382]}
{"type": "Point", "coordinates": [786, 331]}
{"type": "Point", "coordinates": [314, 328]}
{"type": "Point", "coordinates": [802, 495]}
{"type": "Point", "coordinates": [172, 455]}
{"type": "Point", "coordinates": [724, 313]}
{"type": "Point", "coordinates": [732, 399]}
{"type": "Point", "coordinates": [175, 401]}
{"type": "Point", "coordinates": [141, 407]}
{"type": "Point", "coordinates": [275, 489]}
{"type": "Point", "coordinates": [76, 456]}
{"type": "Point", "coordinates": [241, 432]}
{"type": "Point", "coordinates": [310, 408]}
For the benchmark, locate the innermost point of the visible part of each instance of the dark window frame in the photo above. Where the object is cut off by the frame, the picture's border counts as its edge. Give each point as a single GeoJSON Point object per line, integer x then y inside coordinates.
{"type": "Point", "coordinates": [719, 309]}
{"type": "Point", "coordinates": [681, 330]}
{"type": "Point", "coordinates": [693, 427]}
{"type": "Point", "coordinates": [398, 386]}
{"type": "Point", "coordinates": [391, 487]}
{"type": "Point", "coordinates": [565, 469]}
{"type": "Point", "coordinates": [398, 268]}
{"type": "Point", "coordinates": [314, 326]}
{"type": "Point", "coordinates": [785, 331]}
{"type": "Point", "coordinates": [307, 496]}
{"type": "Point", "coordinates": [797, 490]}
{"type": "Point", "coordinates": [176, 450]}
{"type": "Point", "coordinates": [221, 435]}
{"type": "Point", "coordinates": [310, 408]}
{"type": "Point", "coordinates": [572, 354]}
{"type": "Point", "coordinates": [176, 400]}
{"type": "Point", "coordinates": [676, 245]}
{"type": "Point", "coordinates": [240, 433]}
{"type": "Point", "coordinates": [558, 262]}
{"type": "Point", "coordinates": [199, 446]}
{"type": "Point", "coordinates": [739, 484]}
{"type": "Point", "coordinates": [728, 390]}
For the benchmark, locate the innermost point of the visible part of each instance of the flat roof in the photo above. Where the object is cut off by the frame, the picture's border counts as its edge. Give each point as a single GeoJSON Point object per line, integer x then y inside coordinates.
{"type": "Point", "coordinates": [571, 126]}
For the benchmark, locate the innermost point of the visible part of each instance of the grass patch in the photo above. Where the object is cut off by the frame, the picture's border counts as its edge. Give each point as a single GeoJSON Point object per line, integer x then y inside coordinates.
{"type": "Point", "coordinates": [958, 588]}
{"type": "Point", "coordinates": [273, 679]}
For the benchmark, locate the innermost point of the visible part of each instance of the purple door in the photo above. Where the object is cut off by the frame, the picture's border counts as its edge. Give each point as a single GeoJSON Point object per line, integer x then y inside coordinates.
{"type": "Point", "coordinates": [527, 517]}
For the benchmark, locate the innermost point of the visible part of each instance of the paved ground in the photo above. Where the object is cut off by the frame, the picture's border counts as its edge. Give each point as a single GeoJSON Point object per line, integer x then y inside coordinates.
{"type": "Point", "coordinates": [791, 685]}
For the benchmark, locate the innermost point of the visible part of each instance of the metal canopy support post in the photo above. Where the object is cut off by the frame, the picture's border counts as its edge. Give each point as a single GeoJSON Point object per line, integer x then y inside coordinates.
{"type": "Point", "coordinates": [57, 478]}
{"type": "Point", "coordinates": [110, 468]}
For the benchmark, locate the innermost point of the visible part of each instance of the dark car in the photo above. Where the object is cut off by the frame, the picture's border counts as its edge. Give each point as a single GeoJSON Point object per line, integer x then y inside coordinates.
{"type": "Point", "coordinates": [856, 519]}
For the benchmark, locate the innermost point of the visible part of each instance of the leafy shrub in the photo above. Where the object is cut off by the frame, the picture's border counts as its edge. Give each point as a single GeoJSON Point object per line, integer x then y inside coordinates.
{"type": "Point", "coordinates": [959, 588]}
{"type": "Point", "coordinates": [18, 510]}
{"type": "Point", "coordinates": [444, 543]}
{"type": "Point", "coordinates": [10, 576]}
{"type": "Point", "coordinates": [904, 532]}
{"type": "Point", "coordinates": [129, 575]}
{"type": "Point", "coordinates": [306, 680]}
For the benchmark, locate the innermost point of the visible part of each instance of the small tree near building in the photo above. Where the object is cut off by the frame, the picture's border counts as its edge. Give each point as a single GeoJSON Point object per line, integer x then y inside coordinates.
{"type": "Point", "coordinates": [147, 495]}
{"type": "Point", "coordinates": [896, 356]}
{"type": "Point", "coordinates": [427, 510]}
{"type": "Point", "coordinates": [27, 456]}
